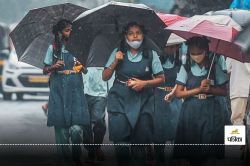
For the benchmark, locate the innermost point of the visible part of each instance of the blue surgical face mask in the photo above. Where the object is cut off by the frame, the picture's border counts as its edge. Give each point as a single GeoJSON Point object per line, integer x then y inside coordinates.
{"type": "Point", "coordinates": [134, 44]}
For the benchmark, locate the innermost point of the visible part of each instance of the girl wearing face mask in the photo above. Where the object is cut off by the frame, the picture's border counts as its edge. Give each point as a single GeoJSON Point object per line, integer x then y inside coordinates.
{"type": "Point", "coordinates": [131, 99]}
{"type": "Point", "coordinates": [200, 121]}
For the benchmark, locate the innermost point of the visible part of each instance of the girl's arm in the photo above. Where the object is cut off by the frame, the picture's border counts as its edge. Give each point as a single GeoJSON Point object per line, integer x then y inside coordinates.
{"type": "Point", "coordinates": [50, 68]}
{"type": "Point", "coordinates": [182, 93]}
{"type": "Point", "coordinates": [218, 91]}
{"type": "Point", "coordinates": [170, 95]}
{"type": "Point", "coordinates": [108, 71]}
{"type": "Point", "coordinates": [138, 85]}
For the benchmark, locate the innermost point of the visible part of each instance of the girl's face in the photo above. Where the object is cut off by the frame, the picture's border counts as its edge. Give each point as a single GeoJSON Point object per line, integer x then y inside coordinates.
{"type": "Point", "coordinates": [197, 54]}
{"type": "Point", "coordinates": [134, 34]}
{"type": "Point", "coordinates": [66, 31]}
{"type": "Point", "coordinates": [170, 50]}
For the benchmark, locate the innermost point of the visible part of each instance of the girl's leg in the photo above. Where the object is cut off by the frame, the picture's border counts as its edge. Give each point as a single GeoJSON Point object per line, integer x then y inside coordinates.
{"type": "Point", "coordinates": [143, 134]}
{"type": "Point", "coordinates": [88, 139]}
{"type": "Point", "coordinates": [76, 133]}
{"type": "Point", "coordinates": [62, 137]}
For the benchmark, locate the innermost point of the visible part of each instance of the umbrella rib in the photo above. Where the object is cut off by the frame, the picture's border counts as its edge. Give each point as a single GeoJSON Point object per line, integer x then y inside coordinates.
{"type": "Point", "coordinates": [63, 9]}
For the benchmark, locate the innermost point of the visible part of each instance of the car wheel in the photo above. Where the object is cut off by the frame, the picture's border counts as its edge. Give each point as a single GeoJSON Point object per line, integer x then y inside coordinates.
{"type": "Point", "coordinates": [19, 96]}
{"type": "Point", "coordinates": [7, 96]}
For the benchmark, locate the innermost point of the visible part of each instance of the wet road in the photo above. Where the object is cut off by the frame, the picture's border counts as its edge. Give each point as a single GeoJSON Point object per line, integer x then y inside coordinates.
{"type": "Point", "coordinates": [24, 122]}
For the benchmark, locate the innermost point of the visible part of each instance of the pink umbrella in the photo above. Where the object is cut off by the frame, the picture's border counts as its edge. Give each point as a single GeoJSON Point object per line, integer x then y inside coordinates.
{"type": "Point", "coordinates": [169, 19]}
{"type": "Point", "coordinates": [220, 36]}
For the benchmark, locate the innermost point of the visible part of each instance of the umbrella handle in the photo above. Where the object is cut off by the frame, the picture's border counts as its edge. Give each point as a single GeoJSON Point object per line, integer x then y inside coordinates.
{"type": "Point", "coordinates": [209, 72]}
{"type": "Point", "coordinates": [210, 68]}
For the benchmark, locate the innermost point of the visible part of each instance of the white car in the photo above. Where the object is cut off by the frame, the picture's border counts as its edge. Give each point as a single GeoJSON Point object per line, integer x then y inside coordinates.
{"type": "Point", "coordinates": [22, 78]}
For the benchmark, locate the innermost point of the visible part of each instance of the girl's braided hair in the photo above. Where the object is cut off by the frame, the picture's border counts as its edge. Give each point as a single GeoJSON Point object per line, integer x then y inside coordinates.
{"type": "Point", "coordinates": [57, 31]}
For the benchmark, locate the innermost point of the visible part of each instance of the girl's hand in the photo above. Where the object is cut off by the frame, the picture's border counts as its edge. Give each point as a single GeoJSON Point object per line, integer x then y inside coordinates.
{"type": "Point", "coordinates": [169, 97]}
{"type": "Point", "coordinates": [205, 86]}
{"type": "Point", "coordinates": [119, 56]}
{"type": "Point", "coordinates": [136, 84]}
{"type": "Point", "coordinates": [58, 64]}
{"type": "Point", "coordinates": [205, 82]}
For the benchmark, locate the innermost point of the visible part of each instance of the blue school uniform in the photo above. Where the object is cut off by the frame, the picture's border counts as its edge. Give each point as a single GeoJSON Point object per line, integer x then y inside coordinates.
{"type": "Point", "coordinates": [126, 106]}
{"type": "Point", "coordinates": [166, 113]}
{"type": "Point", "coordinates": [130, 112]}
{"type": "Point", "coordinates": [201, 120]}
{"type": "Point", "coordinates": [67, 103]}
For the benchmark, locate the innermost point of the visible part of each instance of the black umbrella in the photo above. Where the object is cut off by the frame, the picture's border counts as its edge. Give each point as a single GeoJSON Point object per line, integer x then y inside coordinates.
{"type": "Point", "coordinates": [33, 34]}
{"type": "Point", "coordinates": [104, 43]}
{"type": "Point", "coordinates": [109, 19]}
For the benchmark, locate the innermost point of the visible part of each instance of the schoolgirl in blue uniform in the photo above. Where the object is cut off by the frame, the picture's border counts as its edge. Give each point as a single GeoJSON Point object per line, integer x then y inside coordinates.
{"type": "Point", "coordinates": [131, 99]}
{"type": "Point", "coordinates": [201, 120]}
{"type": "Point", "coordinates": [67, 107]}
{"type": "Point", "coordinates": [166, 113]}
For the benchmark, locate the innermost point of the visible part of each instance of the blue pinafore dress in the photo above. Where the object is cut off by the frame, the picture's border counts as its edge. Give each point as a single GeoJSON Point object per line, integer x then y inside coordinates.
{"type": "Point", "coordinates": [130, 112]}
{"type": "Point", "coordinates": [200, 122]}
{"type": "Point", "coordinates": [166, 113]}
{"type": "Point", "coordinates": [67, 103]}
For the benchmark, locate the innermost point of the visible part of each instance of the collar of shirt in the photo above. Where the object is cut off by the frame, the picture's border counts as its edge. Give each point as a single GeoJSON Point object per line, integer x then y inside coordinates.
{"type": "Point", "coordinates": [134, 58]}
{"type": "Point", "coordinates": [168, 64]}
{"type": "Point", "coordinates": [64, 49]}
{"type": "Point", "coordinates": [197, 71]}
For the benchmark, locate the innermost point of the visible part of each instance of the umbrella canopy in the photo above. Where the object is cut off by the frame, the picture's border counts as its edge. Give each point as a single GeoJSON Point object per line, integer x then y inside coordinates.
{"type": "Point", "coordinates": [218, 19]}
{"type": "Point", "coordinates": [220, 36]}
{"type": "Point", "coordinates": [243, 39]}
{"type": "Point", "coordinates": [242, 17]}
{"type": "Point", "coordinates": [174, 39]}
{"type": "Point", "coordinates": [33, 34]}
{"type": "Point", "coordinates": [111, 18]}
{"type": "Point", "coordinates": [169, 19]}
{"type": "Point", "coordinates": [104, 44]}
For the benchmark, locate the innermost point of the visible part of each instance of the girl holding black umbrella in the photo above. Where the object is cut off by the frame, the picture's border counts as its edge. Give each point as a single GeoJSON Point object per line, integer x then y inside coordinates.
{"type": "Point", "coordinates": [67, 107]}
{"type": "Point", "coordinates": [131, 100]}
